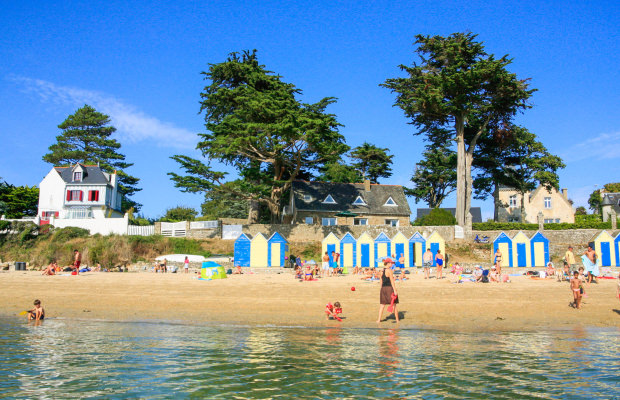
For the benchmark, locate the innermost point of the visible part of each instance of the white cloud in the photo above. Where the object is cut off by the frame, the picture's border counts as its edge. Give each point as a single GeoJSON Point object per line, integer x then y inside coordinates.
{"type": "Point", "coordinates": [132, 124]}
{"type": "Point", "coordinates": [601, 147]}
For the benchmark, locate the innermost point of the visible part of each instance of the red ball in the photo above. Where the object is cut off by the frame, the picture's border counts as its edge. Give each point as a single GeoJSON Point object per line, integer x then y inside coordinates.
{"type": "Point", "coordinates": [353, 288]}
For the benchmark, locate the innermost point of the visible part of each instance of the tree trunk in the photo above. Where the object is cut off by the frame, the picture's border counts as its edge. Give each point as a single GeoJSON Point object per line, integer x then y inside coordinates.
{"type": "Point", "coordinates": [522, 208]}
{"type": "Point", "coordinates": [468, 182]}
{"type": "Point", "coordinates": [254, 212]}
{"type": "Point", "coordinates": [274, 205]}
{"type": "Point", "coordinates": [496, 204]}
{"type": "Point", "coordinates": [461, 168]}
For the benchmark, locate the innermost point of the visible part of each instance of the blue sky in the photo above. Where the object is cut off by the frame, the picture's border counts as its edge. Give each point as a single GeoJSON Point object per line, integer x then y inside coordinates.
{"type": "Point", "coordinates": [140, 63]}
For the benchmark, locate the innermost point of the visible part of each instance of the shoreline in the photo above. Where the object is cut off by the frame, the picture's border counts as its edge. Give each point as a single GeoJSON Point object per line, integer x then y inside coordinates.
{"type": "Point", "coordinates": [281, 301]}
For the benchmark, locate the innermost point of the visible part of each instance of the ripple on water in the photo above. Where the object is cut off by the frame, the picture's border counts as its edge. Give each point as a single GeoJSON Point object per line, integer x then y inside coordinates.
{"type": "Point", "coordinates": [95, 359]}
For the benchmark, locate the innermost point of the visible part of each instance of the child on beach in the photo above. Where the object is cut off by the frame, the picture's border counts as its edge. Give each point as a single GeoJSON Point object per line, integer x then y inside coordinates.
{"type": "Point", "coordinates": [575, 285]}
{"type": "Point", "coordinates": [37, 313]}
{"type": "Point", "coordinates": [332, 310]}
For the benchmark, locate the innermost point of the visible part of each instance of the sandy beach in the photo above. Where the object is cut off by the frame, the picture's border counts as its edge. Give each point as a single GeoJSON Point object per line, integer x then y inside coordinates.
{"type": "Point", "coordinates": [279, 299]}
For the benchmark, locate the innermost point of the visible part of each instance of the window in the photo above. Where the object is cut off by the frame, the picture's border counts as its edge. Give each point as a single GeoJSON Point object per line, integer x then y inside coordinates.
{"type": "Point", "coordinates": [329, 221]}
{"type": "Point", "coordinates": [557, 220]}
{"type": "Point", "coordinates": [79, 213]}
{"type": "Point", "coordinates": [93, 195]}
{"type": "Point", "coordinates": [547, 202]}
{"type": "Point", "coordinates": [309, 220]}
{"type": "Point", "coordinates": [359, 201]}
{"type": "Point", "coordinates": [548, 220]}
{"type": "Point", "coordinates": [74, 195]}
{"type": "Point", "coordinates": [307, 198]}
{"type": "Point", "coordinates": [329, 200]}
{"type": "Point", "coordinates": [512, 200]}
{"type": "Point", "coordinates": [77, 176]}
{"type": "Point", "coordinates": [360, 221]}
{"type": "Point", "coordinates": [390, 202]}
{"type": "Point", "coordinates": [391, 222]}
{"type": "Point", "coordinates": [47, 214]}
{"type": "Point", "coordinates": [513, 219]}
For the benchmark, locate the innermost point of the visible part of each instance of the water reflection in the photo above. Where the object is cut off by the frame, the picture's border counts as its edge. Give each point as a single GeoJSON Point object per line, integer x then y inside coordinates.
{"type": "Point", "coordinates": [74, 359]}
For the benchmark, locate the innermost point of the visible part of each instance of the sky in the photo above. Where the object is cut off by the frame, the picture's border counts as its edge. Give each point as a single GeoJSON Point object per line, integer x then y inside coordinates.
{"type": "Point", "coordinates": [140, 62]}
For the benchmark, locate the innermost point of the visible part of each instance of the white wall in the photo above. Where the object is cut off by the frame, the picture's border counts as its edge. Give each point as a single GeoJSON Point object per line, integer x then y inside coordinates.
{"type": "Point", "coordinates": [52, 192]}
{"type": "Point", "coordinates": [104, 226]}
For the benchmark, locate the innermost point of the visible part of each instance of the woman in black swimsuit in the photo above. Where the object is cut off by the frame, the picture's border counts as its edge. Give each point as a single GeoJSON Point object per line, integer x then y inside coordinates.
{"type": "Point", "coordinates": [387, 288]}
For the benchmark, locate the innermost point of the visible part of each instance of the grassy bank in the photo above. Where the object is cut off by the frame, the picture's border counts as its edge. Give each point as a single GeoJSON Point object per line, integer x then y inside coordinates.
{"type": "Point", "coordinates": [38, 246]}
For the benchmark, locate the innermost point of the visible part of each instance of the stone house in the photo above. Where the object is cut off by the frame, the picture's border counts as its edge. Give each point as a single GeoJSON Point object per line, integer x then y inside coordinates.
{"type": "Point", "coordinates": [554, 206]}
{"type": "Point", "coordinates": [610, 202]}
{"type": "Point", "coordinates": [361, 204]}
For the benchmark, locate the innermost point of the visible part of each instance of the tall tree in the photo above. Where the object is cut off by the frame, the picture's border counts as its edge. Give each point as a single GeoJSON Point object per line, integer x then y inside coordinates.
{"type": "Point", "coordinates": [435, 175]}
{"type": "Point", "coordinates": [86, 138]}
{"type": "Point", "coordinates": [529, 164]}
{"type": "Point", "coordinates": [18, 201]}
{"type": "Point", "coordinates": [458, 85]}
{"type": "Point", "coordinates": [595, 200]}
{"type": "Point", "coordinates": [372, 162]}
{"type": "Point", "coordinates": [224, 204]}
{"type": "Point", "coordinates": [256, 124]}
{"type": "Point", "coordinates": [339, 172]}
{"type": "Point", "coordinates": [179, 213]}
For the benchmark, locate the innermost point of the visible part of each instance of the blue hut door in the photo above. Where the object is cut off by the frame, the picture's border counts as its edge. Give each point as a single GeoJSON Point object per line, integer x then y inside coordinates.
{"type": "Point", "coordinates": [365, 255]}
{"type": "Point", "coordinates": [411, 254]}
{"type": "Point", "coordinates": [521, 259]}
{"type": "Point", "coordinates": [400, 249]}
{"type": "Point", "coordinates": [605, 254]}
{"type": "Point", "coordinates": [330, 248]}
{"type": "Point", "coordinates": [434, 248]}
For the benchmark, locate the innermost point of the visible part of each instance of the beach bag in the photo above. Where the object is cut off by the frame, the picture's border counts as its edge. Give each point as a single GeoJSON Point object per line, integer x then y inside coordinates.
{"type": "Point", "coordinates": [485, 279]}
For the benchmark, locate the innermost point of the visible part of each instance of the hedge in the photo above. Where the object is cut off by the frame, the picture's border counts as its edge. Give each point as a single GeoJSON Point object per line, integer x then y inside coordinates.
{"type": "Point", "coordinates": [515, 226]}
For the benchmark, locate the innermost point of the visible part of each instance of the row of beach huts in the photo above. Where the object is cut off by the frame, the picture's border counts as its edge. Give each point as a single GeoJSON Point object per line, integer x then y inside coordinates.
{"type": "Point", "coordinates": [366, 251]}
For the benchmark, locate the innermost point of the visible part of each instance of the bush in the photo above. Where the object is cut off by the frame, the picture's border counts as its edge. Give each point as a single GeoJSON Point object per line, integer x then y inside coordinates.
{"type": "Point", "coordinates": [68, 233]}
{"type": "Point", "coordinates": [188, 246]}
{"type": "Point", "coordinates": [436, 217]}
{"type": "Point", "coordinates": [508, 226]}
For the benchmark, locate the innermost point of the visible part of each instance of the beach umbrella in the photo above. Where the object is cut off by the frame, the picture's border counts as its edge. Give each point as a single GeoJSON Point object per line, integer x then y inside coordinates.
{"type": "Point", "coordinates": [312, 262]}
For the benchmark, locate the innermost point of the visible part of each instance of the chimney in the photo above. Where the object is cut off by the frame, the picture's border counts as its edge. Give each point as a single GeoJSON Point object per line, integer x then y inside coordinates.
{"type": "Point", "coordinates": [367, 185]}
{"type": "Point", "coordinates": [565, 193]}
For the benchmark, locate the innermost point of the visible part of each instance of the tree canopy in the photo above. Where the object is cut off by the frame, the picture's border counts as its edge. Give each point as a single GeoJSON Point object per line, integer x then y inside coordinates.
{"type": "Point", "coordinates": [458, 87]}
{"type": "Point", "coordinates": [372, 162]}
{"type": "Point", "coordinates": [18, 201]}
{"type": "Point", "coordinates": [86, 138]}
{"type": "Point", "coordinates": [179, 213]}
{"type": "Point", "coordinates": [225, 204]}
{"type": "Point", "coordinates": [256, 124]}
{"type": "Point", "coordinates": [595, 200]}
{"type": "Point", "coordinates": [434, 177]}
{"type": "Point", "coordinates": [339, 172]}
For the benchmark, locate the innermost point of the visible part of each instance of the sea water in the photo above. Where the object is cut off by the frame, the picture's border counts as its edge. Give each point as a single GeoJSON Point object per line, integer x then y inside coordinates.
{"type": "Point", "coordinates": [66, 359]}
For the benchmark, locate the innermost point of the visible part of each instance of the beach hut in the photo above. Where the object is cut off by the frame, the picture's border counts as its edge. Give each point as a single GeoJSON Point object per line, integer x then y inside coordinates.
{"type": "Point", "coordinates": [539, 247]}
{"type": "Point", "coordinates": [277, 250]}
{"type": "Point", "coordinates": [417, 247]}
{"type": "Point", "coordinates": [365, 251]}
{"type": "Point", "coordinates": [242, 250]}
{"type": "Point", "coordinates": [504, 244]}
{"type": "Point", "coordinates": [605, 249]}
{"type": "Point", "coordinates": [258, 251]}
{"type": "Point", "coordinates": [435, 242]}
{"type": "Point", "coordinates": [617, 249]}
{"type": "Point", "coordinates": [211, 270]}
{"type": "Point", "coordinates": [348, 251]}
{"type": "Point", "coordinates": [400, 244]}
{"type": "Point", "coordinates": [383, 247]}
{"type": "Point", "coordinates": [521, 251]}
{"type": "Point", "coordinates": [330, 243]}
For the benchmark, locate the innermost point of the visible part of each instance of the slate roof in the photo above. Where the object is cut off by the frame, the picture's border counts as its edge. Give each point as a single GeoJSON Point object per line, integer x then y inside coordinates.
{"type": "Point", "coordinates": [612, 199]}
{"type": "Point", "coordinates": [92, 175]}
{"type": "Point", "coordinates": [344, 194]}
{"type": "Point", "coordinates": [476, 214]}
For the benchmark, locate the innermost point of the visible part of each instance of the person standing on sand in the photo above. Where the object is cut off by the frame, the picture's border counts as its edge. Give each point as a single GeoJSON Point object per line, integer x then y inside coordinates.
{"type": "Point", "coordinates": [591, 254]}
{"type": "Point", "coordinates": [388, 287]}
{"type": "Point", "coordinates": [569, 258]}
{"type": "Point", "coordinates": [498, 262]}
{"type": "Point", "coordinates": [575, 285]}
{"type": "Point", "coordinates": [186, 265]}
{"type": "Point", "coordinates": [325, 265]}
{"type": "Point", "coordinates": [427, 260]}
{"type": "Point", "coordinates": [439, 261]}
{"type": "Point", "coordinates": [77, 260]}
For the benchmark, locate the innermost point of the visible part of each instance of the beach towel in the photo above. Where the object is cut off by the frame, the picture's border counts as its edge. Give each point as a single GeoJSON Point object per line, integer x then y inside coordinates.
{"type": "Point", "coordinates": [589, 265]}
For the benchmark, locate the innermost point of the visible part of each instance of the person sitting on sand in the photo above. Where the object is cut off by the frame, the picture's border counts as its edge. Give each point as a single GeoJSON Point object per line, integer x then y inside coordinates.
{"type": "Point", "coordinates": [565, 274]}
{"type": "Point", "coordinates": [493, 275]}
{"type": "Point", "coordinates": [51, 269]}
{"type": "Point", "coordinates": [308, 276]}
{"type": "Point", "coordinates": [575, 285]}
{"type": "Point", "coordinates": [332, 310]}
{"type": "Point", "coordinates": [237, 270]}
{"type": "Point", "coordinates": [37, 313]}
{"type": "Point", "coordinates": [550, 272]}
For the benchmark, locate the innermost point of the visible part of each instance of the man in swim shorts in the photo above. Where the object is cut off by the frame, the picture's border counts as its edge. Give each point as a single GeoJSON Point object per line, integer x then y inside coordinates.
{"type": "Point", "coordinates": [427, 261]}
{"type": "Point", "coordinates": [325, 265]}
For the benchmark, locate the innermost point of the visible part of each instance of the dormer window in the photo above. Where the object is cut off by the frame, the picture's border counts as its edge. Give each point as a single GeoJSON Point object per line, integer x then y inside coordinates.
{"type": "Point", "coordinates": [329, 200]}
{"type": "Point", "coordinates": [307, 198]}
{"type": "Point", "coordinates": [77, 176]}
{"type": "Point", "coordinates": [390, 202]}
{"type": "Point", "coordinates": [359, 201]}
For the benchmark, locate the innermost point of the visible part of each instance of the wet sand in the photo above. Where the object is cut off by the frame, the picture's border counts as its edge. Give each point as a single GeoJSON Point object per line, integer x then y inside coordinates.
{"type": "Point", "coordinates": [279, 299]}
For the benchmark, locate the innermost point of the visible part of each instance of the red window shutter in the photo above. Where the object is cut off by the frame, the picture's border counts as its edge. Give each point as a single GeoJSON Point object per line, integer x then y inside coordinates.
{"type": "Point", "coordinates": [68, 195]}
{"type": "Point", "coordinates": [81, 195]}
{"type": "Point", "coordinates": [96, 195]}
{"type": "Point", "coordinates": [91, 195]}
{"type": "Point", "coordinates": [56, 214]}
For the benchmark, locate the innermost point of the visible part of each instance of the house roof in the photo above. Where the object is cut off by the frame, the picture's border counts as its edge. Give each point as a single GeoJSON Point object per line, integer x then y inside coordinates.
{"type": "Point", "coordinates": [345, 194]}
{"type": "Point", "coordinates": [476, 214]}
{"type": "Point", "coordinates": [93, 175]}
{"type": "Point", "coordinates": [613, 200]}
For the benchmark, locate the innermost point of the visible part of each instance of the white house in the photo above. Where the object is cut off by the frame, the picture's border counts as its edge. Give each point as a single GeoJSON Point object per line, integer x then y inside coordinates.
{"type": "Point", "coordinates": [83, 196]}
